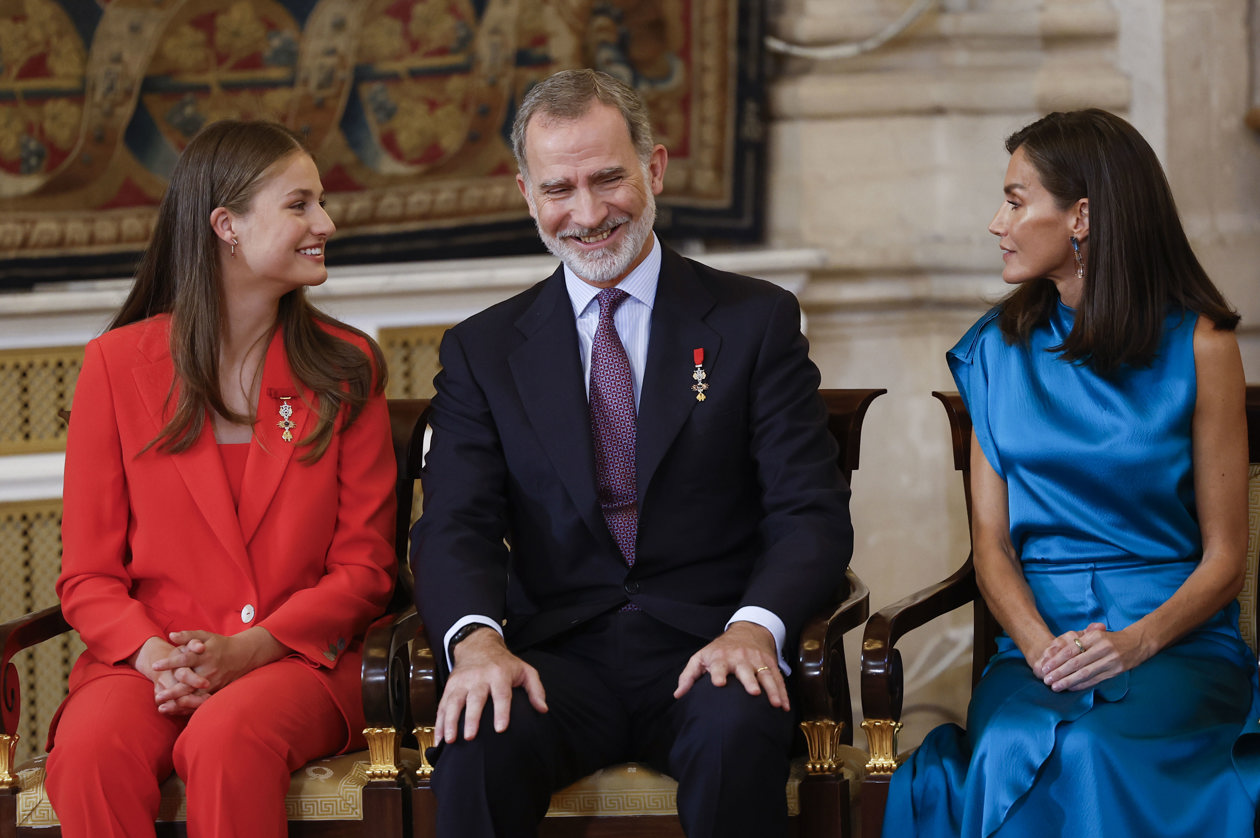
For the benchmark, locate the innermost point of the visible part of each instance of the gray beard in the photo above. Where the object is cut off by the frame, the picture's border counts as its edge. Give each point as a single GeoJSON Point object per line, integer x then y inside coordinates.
{"type": "Point", "coordinates": [610, 264]}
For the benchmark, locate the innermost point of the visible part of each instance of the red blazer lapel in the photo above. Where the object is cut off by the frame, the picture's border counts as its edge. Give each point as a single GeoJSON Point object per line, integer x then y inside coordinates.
{"type": "Point", "coordinates": [200, 466]}
{"type": "Point", "coordinates": [269, 453]}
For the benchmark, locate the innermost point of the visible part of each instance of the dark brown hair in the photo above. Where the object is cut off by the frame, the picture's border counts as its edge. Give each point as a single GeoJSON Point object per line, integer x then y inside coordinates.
{"type": "Point", "coordinates": [224, 165]}
{"type": "Point", "coordinates": [1139, 263]}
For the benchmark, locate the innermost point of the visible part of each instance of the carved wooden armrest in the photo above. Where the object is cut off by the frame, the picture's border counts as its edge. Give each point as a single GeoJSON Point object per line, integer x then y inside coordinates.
{"type": "Point", "coordinates": [15, 635]}
{"type": "Point", "coordinates": [881, 677]}
{"type": "Point", "coordinates": [386, 708]}
{"type": "Point", "coordinates": [31, 629]}
{"type": "Point", "coordinates": [823, 686]}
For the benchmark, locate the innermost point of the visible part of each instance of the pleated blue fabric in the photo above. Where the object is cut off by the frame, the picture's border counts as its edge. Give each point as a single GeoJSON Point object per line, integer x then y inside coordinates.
{"type": "Point", "coordinates": [1102, 508]}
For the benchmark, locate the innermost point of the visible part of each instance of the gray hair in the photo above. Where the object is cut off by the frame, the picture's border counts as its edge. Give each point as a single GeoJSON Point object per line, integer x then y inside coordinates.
{"type": "Point", "coordinates": [568, 95]}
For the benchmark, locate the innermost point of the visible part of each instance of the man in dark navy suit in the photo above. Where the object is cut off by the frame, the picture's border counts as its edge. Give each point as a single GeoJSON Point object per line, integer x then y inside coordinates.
{"type": "Point", "coordinates": [631, 503]}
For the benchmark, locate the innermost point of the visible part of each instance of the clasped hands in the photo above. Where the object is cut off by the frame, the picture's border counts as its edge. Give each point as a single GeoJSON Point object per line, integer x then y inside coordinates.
{"type": "Point", "coordinates": [190, 666]}
{"type": "Point", "coordinates": [1078, 660]}
{"type": "Point", "coordinates": [485, 671]}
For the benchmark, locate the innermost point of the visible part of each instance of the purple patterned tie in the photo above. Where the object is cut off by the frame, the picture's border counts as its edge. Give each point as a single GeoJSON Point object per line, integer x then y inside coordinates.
{"type": "Point", "coordinates": [613, 426]}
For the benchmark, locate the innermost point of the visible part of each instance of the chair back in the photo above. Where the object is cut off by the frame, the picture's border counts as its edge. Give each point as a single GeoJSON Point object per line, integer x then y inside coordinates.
{"type": "Point", "coordinates": [845, 411]}
{"type": "Point", "coordinates": [986, 627]}
{"type": "Point", "coordinates": [407, 420]}
{"type": "Point", "coordinates": [1249, 597]}
{"type": "Point", "coordinates": [820, 677]}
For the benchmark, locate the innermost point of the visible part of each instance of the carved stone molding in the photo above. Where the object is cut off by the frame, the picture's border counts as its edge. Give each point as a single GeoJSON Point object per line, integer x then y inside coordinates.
{"type": "Point", "coordinates": [996, 57]}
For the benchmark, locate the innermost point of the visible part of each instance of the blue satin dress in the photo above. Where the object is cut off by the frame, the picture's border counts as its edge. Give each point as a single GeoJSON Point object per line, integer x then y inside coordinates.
{"type": "Point", "coordinates": [1102, 512]}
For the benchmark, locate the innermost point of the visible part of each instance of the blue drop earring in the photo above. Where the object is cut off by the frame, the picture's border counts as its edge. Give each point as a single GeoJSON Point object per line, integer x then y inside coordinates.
{"type": "Point", "coordinates": [1080, 263]}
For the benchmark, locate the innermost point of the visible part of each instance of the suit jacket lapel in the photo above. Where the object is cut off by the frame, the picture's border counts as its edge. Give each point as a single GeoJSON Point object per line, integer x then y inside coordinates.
{"type": "Point", "coordinates": [678, 329]}
{"type": "Point", "coordinates": [269, 453]}
{"type": "Point", "coordinates": [547, 371]}
{"type": "Point", "coordinates": [200, 466]}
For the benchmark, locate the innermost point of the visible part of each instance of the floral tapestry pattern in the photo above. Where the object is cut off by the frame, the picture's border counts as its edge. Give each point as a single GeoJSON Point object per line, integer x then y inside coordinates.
{"type": "Point", "coordinates": [406, 103]}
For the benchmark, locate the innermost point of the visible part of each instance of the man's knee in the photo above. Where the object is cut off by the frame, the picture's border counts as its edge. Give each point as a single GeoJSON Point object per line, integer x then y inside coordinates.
{"type": "Point", "coordinates": [491, 752]}
{"type": "Point", "coordinates": [497, 782]}
{"type": "Point", "coordinates": [729, 715]}
{"type": "Point", "coordinates": [731, 762]}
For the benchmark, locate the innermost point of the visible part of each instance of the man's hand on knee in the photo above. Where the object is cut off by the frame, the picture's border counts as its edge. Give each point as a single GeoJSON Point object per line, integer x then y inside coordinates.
{"type": "Point", "coordinates": [745, 651]}
{"type": "Point", "coordinates": [485, 671]}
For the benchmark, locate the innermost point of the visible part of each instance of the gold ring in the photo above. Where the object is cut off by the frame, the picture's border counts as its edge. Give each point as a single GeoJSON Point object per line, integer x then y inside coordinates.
{"type": "Point", "coordinates": [762, 669]}
{"type": "Point", "coordinates": [1078, 643]}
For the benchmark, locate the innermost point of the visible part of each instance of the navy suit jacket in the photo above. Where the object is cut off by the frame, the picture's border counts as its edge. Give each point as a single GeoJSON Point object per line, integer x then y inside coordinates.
{"type": "Point", "coordinates": [740, 500]}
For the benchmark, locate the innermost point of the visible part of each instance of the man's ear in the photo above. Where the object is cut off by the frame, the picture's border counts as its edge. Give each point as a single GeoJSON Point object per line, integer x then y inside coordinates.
{"type": "Point", "coordinates": [523, 185]}
{"type": "Point", "coordinates": [656, 168]}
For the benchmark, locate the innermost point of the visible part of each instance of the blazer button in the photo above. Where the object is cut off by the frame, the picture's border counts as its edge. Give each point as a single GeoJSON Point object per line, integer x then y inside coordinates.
{"type": "Point", "coordinates": [247, 614]}
{"type": "Point", "coordinates": [632, 587]}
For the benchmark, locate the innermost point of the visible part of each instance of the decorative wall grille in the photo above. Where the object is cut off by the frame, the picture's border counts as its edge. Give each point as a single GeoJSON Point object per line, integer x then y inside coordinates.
{"type": "Point", "coordinates": [34, 384]}
{"type": "Point", "coordinates": [412, 355]}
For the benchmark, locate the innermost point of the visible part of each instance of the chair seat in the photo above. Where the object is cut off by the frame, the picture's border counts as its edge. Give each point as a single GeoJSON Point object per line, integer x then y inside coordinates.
{"type": "Point", "coordinates": [634, 789]}
{"type": "Point", "coordinates": [328, 789]}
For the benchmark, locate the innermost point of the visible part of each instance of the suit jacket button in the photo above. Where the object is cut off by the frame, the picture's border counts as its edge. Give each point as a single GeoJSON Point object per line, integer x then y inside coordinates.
{"type": "Point", "coordinates": [247, 614]}
{"type": "Point", "coordinates": [632, 587]}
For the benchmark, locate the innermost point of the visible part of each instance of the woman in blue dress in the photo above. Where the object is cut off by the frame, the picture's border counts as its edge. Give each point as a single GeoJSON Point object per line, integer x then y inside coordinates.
{"type": "Point", "coordinates": [1109, 525]}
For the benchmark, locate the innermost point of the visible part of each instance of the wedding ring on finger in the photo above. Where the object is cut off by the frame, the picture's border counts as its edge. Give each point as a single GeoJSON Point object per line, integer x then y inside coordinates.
{"type": "Point", "coordinates": [1078, 643]}
{"type": "Point", "coordinates": [761, 669]}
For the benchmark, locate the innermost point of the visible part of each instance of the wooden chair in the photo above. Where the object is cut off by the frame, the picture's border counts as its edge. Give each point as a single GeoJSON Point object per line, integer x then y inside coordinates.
{"type": "Point", "coordinates": [359, 794]}
{"type": "Point", "coordinates": [881, 679]}
{"type": "Point", "coordinates": [632, 799]}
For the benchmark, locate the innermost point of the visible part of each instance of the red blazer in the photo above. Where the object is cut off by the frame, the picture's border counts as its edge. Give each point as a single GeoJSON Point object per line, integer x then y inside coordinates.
{"type": "Point", "coordinates": [152, 542]}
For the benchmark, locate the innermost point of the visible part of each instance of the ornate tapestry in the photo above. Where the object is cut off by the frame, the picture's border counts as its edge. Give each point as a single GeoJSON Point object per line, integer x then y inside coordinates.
{"type": "Point", "coordinates": [406, 103]}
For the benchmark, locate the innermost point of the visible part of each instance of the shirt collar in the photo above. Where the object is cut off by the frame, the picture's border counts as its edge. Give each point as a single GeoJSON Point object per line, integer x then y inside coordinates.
{"type": "Point", "coordinates": [640, 283]}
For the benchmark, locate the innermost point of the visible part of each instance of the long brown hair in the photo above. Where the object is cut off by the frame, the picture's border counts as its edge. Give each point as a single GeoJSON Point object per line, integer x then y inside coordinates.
{"type": "Point", "coordinates": [1139, 263]}
{"type": "Point", "coordinates": [224, 165]}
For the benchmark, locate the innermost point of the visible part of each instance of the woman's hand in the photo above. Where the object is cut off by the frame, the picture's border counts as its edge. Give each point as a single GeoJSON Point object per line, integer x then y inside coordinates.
{"type": "Point", "coordinates": [172, 697]}
{"type": "Point", "coordinates": [1080, 660]}
{"type": "Point", "coordinates": [203, 660]}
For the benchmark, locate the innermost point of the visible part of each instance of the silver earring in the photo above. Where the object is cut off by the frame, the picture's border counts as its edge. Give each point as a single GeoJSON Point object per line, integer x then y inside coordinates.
{"type": "Point", "coordinates": [1080, 263]}
{"type": "Point", "coordinates": [235, 242]}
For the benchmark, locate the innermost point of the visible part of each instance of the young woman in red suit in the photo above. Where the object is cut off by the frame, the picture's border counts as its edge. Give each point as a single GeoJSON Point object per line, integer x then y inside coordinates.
{"type": "Point", "coordinates": [228, 509]}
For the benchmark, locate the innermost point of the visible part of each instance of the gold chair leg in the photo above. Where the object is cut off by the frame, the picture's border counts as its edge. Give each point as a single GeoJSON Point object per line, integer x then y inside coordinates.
{"type": "Point", "coordinates": [8, 761]}
{"type": "Point", "coordinates": [384, 752]}
{"type": "Point", "coordinates": [881, 741]}
{"type": "Point", "coordinates": [822, 737]}
{"type": "Point", "coordinates": [424, 736]}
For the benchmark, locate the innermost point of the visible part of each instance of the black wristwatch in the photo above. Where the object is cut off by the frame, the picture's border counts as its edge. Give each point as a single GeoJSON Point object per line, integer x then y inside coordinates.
{"type": "Point", "coordinates": [461, 635]}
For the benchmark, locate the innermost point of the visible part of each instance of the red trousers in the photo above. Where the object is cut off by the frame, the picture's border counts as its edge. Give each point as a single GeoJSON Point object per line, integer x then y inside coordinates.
{"type": "Point", "coordinates": [235, 753]}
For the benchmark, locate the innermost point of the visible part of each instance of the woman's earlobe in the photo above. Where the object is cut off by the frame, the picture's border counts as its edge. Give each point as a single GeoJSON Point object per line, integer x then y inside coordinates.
{"type": "Point", "coordinates": [221, 222]}
{"type": "Point", "coordinates": [1082, 219]}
